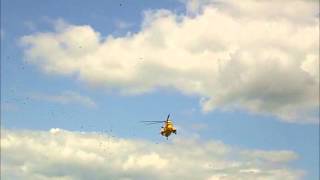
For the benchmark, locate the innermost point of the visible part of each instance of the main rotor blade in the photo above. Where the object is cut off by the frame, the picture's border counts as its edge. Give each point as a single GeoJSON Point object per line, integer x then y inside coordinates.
{"type": "Point", "coordinates": [153, 121]}
{"type": "Point", "coordinates": [168, 117]}
{"type": "Point", "coordinates": [152, 124]}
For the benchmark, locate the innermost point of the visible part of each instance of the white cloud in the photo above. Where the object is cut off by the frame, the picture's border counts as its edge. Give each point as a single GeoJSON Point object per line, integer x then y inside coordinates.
{"type": "Point", "coordinates": [272, 156]}
{"type": "Point", "coordinates": [67, 97]}
{"type": "Point", "coordinates": [30, 25]}
{"type": "Point", "coordinates": [61, 154]}
{"type": "Point", "coordinates": [120, 24]}
{"type": "Point", "coordinates": [258, 56]}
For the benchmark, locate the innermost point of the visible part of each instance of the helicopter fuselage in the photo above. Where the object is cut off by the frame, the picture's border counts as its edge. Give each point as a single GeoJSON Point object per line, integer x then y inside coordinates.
{"type": "Point", "coordinates": [167, 129]}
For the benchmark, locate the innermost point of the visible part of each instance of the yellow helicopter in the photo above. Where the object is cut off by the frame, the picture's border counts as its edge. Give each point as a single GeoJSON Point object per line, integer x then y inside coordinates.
{"type": "Point", "coordinates": [166, 129]}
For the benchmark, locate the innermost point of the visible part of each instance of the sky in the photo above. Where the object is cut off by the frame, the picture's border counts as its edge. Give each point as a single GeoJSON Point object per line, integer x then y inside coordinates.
{"type": "Point", "coordinates": [239, 78]}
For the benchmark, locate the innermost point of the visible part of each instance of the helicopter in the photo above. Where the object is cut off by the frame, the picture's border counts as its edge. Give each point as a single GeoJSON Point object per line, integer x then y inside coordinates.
{"type": "Point", "coordinates": [166, 129]}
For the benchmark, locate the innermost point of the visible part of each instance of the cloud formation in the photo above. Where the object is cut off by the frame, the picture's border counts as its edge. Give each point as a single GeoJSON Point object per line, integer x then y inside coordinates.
{"type": "Point", "coordinates": [67, 97]}
{"type": "Point", "coordinates": [120, 24]}
{"type": "Point", "coordinates": [61, 154]}
{"type": "Point", "coordinates": [257, 56]}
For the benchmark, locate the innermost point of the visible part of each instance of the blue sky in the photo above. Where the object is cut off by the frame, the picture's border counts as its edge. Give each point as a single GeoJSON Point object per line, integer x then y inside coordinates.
{"type": "Point", "coordinates": [35, 99]}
